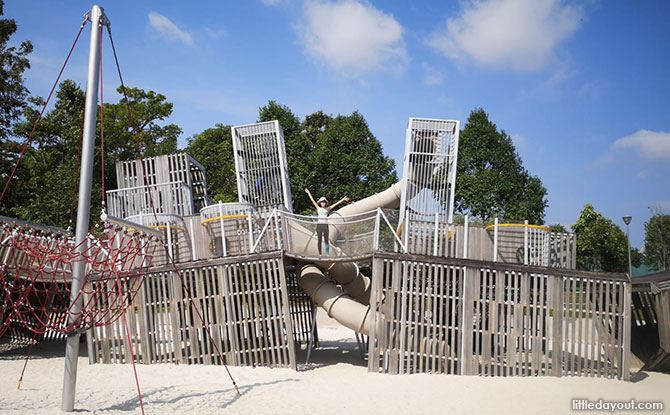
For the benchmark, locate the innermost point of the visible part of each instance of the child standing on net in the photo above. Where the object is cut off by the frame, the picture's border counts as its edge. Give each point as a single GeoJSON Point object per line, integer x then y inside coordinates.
{"type": "Point", "coordinates": [323, 210]}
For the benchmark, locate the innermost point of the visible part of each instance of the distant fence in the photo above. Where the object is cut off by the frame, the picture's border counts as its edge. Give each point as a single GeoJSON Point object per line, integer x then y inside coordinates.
{"type": "Point", "coordinates": [248, 305]}
{"type": "Point", "coordinates": [459, 316]}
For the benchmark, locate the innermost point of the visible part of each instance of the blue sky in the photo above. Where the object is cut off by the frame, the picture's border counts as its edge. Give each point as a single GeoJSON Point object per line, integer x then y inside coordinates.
{"type": "Point", "coordinates": [582, 87]}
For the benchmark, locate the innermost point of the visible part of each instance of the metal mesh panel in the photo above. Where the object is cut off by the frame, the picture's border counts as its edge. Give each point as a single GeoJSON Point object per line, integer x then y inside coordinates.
{"type": "Point", "coordinates": [176, 182]}
{"type": "Point", "coordinates": [260, 163]}
{"type": "Point", "coordinates": [429, 171]}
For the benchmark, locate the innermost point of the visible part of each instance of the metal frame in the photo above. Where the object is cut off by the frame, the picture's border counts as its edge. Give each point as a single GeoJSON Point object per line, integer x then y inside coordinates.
{"type": "Point", "coordinates": [259, 151]}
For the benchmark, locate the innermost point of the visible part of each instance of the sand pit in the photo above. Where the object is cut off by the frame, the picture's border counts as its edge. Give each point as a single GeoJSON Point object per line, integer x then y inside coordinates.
{"type": "Point", "coordinates": [335, 382]}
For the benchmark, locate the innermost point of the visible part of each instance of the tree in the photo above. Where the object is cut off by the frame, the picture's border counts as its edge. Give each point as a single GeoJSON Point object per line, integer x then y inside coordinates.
{"type": "Point", "coordinates": [13, 93]}
{"type": "Point", "coordinates": [50, 163]}
{"type": "Point", "coordinates": [601, 244]}
{"type": "Point", "coordinates": [348, 160]}
{"type": "Point", "coordinates": [213, 148]}
{"type": "Point", "coordinates": [298, 149]}
{"type": "Point", "coordinates": [491, 180]}
{"type": "Point", "coordinates": [657, 241]}
{"type": "Point", "coordinates": [557, 227]}
{"type": "Point", "coordinates": [332, 156]}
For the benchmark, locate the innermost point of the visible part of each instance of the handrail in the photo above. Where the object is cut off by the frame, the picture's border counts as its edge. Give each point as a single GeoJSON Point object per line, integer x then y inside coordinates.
{"type": "Point", "coordinates": [523, 225]}
{"type": "Point", "coordinates": [37, 226]}
{"type": "Point", "coordinates": [122, 222]}
{"type": "Point", "coordinates": [369, 214]}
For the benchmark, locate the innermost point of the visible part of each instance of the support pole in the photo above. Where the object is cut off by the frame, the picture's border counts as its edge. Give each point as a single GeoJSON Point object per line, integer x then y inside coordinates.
{"type": "Point", "coordinates": [436, 233]}
{"type": "Point", "coordinates": [495, 240]}
{"type": "Point", "coordinates": [97, 18]}
{"type": "Point", "coordinates": [525, 243]}
{"type": "Point", "coordinates": [466, 236]}
{"type": "Point", "coordinates": [224, 248]}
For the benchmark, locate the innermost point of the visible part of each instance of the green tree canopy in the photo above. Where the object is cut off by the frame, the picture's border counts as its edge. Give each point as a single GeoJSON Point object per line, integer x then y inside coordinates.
{"type": "Point", "coordinates": [491, 180]}
{"type": "Point", "coordinates": [557, 227]}
{"type": "Point", "coordinates": [601, 244]}
{"type": "Point", "coordinates": [332, 156]}
{"type": "Point", "coordinates": [13, 94]}
{"type": "Point", "coordinates": [50, 164]}
{"type": "Point", "coordinates": [213, 148]}
{"type": "Point", "coordinates": [657, 241]}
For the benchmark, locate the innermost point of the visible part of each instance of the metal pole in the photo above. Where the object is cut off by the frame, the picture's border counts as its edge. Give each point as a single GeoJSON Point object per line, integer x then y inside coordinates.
{"type": "Point", "coordinates": [626, 220]}
{"type": "Point", "coordinates": [525, 242]}
{"type": "Point", "coordinates": [97, 18]}
{"type": "Point", "coordinates": [495, 240]}
{"type": "Point", "coordinates": [466, 235]}
{"type": "Point", "coordinates": [436, 233]}
{"type": "Point", "coordinates": [224, 248]}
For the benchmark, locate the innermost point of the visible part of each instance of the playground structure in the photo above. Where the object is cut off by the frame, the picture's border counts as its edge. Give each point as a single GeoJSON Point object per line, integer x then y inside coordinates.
{"type": "Point", "coordinates": [176, 278]}
{"type": "Point", "coordinates": [502, 300]}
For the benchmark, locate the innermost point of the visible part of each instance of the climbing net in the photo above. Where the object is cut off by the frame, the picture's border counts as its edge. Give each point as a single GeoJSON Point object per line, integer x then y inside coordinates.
{"type": "Point", "coordinates": [38, 264]}
{"type": "Point", "coordinates": [51, 281]}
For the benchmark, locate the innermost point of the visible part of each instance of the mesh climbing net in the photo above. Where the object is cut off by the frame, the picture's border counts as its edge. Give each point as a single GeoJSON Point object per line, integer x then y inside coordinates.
{"type": "Point", "coordinates": [38, 263]}
{"type": "Point", "coordinates": [52, 281]}
{"type": "Point", "coordinates": [36, 275]}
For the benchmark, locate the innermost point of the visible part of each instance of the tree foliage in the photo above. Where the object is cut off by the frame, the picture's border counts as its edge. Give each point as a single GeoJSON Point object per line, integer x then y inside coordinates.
{"type": "Point", "coordinates": [213, 148]}
{"type": "Point", "coordinates": [491, 180]}
{"type": "Point", "coordinates": [601, 244]}
{"type": "Point", "coordinates": [657, 241]}
{"type": "Point", "coordinates": [13, 94]}
{"type": "Point", "coordinates": [50, 166]}
{"type": "Point", "coordinates": [557, 227]}
{"type": "Point", "coordinates": [332, 156]}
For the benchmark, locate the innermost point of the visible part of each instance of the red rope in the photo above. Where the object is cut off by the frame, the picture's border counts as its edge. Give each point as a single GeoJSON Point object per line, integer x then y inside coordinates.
{"type": "Point", "coordinates": [167, 252]}
{"type": "Point", "coordinates": [30, 137]}
{"type": "Point", "coordinates": [128, 338]}
{"type": "Point", "coordinates": [132, 125]}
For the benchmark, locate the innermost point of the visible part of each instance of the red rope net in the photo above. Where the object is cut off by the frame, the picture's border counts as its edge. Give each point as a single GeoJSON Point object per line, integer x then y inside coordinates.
{"type": "Point", "coordinates": [36, 274]}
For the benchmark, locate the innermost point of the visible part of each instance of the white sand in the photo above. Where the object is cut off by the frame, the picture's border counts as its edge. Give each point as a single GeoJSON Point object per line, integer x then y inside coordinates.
{"type": "Point", "coordinates": [336, 382]}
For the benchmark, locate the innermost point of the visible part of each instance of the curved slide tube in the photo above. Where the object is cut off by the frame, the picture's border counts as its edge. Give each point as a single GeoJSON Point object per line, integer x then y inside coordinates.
{"type": "Point", "coordinates": [350, 308]}
{"type": "Point", "coordinates": [339, 305]}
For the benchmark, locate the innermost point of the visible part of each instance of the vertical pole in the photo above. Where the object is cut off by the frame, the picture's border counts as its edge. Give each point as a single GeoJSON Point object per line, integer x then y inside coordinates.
{"type": "Point", "coordinates": [375, 242]}
{"type": "Point", "coordinates": [224, 248]}
{"type": "Point", "coordinates": [466, 231]}
{"type": "Point", "coordinates": [436, 233]}
{"type": "Point", "coordinates": [406, 233]}
{"type": "Point", "coordinates": [251, 233]}
{"type": "Point", "coordinates": [194, 249]}
{"type": "Point", "coordinates": [630, 264]}
{"type": "Point", "coordinates": [495, 240]}
{"type": "Point", "coordinates": [525, 242]}
{"type": "Point", "coordinates": [276, 217]}
{"type": "Point", "coordinates": [97, 18]}
{"type": "Point", "coordinates": [169, 241]}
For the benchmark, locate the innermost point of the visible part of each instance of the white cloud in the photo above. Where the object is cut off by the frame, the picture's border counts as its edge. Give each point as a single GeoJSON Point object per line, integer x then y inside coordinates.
{"type": "Point", "coordinates": [169, 30]}
{"type": "Point", "coordinates": [351, 37]}
{"type": "Point", "coordinates": [519, 141]}
{"type": "Point", "coordinates": [215, 33]}
{"type": "Point", "coordinates": [648, 144]}
{"type": "Point", "coordinates": [433, 76]}
{"type": "Point", "coordinates": [508, 34]}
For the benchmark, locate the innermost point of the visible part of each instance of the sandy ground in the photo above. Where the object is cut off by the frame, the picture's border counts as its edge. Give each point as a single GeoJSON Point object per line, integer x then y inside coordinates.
{"type": "Point", "coordinates": [336, 382]}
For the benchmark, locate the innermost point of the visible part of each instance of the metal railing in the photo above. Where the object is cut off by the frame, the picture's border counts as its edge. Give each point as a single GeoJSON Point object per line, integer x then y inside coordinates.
{"type": "Point", "coordinates": [174, 198]}
{"type": "Point", "coordinates": [342, 237]}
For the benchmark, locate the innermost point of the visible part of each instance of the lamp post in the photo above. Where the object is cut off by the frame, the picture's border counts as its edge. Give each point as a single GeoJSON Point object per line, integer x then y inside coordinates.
{"type": "Point", "coordinates": [626, 220]}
